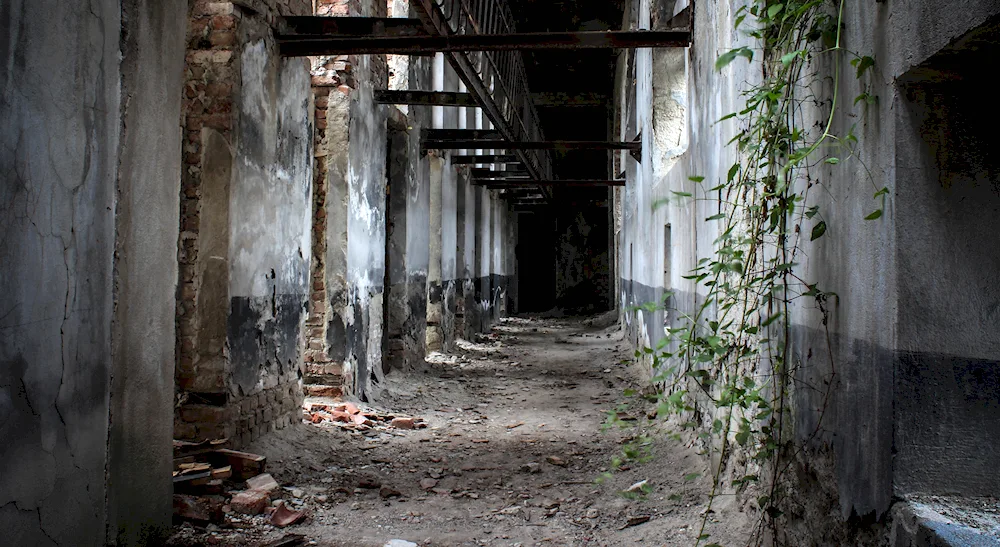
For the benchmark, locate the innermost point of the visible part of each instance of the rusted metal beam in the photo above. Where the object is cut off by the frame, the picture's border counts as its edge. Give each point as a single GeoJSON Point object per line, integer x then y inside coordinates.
{"type": "Point", "coordinates": [566, 99]}
{"type": "Point", "coordinates": [460, 134]}
{"type": "Point", "coordinates": [315, 27]}
{"type": "Point", "coordinates": [302, 46]}
{"type": "Point", "coordinates": [485, 159]}
{"type": "Point", "coordinates": [509, 183]}
{"type": "Point", "coordinates": [489, 173]}
{"type": "Point", "coordinates": [432, 144]}
{"type": "Point", "coordinates": [425, 98]}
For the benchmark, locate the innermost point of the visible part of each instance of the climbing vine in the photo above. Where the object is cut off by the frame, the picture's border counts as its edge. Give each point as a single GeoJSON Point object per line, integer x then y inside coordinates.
{"type": "Point", "coordinates": [730, 359]}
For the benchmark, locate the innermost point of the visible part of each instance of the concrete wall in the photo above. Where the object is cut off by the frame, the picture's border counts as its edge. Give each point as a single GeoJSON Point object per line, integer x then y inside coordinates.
{"type": "Point", "coordinates": [90, 150]}
{"type": "Point", "coordinates": [245, 225]}
{"type": "Point", "coordinates": [270, 226]}
{"type": "Point", "coordinates": [903, 281]}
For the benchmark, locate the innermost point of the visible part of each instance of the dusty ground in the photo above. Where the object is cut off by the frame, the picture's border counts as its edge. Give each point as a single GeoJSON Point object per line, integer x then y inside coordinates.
{"type": "Point", "coordinates": [513, 449]}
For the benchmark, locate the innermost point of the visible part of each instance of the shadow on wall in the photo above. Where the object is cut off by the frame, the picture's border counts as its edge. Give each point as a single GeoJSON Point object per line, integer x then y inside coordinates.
{"type": "Point", "coordinates": [947, 370]}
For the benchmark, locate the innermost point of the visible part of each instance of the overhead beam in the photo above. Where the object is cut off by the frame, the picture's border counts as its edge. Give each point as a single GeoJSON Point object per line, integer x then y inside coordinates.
{"type": "Point", "coordinates": [498, 159]}
{"type": "Point", "coordinates": [316, 27]}
{"type": "Point", "coordinates": [425, 98]}
{"type": "Point", "coordinates": [431, 144]}
{"type": "Point", "coordinates": [487, 173]}
{"type": "Point", "coordinates": [506, 184]}
{"type": "Point", "coordinates": [460, 134]}
{"type": "Point", "coordinates": [306, 45]}
{"type": "Point", "coordinates": [566, 99]}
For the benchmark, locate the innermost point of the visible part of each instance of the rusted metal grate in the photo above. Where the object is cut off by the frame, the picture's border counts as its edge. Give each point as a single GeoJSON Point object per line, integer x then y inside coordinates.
{"type": "Point", "coordinates": [497, 78]}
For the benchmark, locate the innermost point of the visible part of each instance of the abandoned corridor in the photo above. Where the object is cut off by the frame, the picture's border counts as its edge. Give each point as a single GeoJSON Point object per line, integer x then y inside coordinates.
{"type": "Point", "coordinates": [514, 454]}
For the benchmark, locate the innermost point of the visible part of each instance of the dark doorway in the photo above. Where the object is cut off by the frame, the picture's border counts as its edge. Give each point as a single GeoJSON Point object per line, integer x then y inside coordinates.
{"type": "Point", "coordinates": [536, 264]}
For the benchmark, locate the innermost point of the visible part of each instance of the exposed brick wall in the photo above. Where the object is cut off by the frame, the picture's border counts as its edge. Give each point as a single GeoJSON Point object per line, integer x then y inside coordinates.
{"type": "Point", "coordinates": [330, 74]}
{"type": "Point", "coordinates": [207, 406]}
{"type": "Point", "coordinates": [210, 85]}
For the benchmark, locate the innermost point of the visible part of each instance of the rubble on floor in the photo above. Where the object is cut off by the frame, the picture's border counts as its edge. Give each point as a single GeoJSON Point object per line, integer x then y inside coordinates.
{"type": "Point", "coordinates": [227, 494]}
{"type": "Point", "coordinates": [351, 416]}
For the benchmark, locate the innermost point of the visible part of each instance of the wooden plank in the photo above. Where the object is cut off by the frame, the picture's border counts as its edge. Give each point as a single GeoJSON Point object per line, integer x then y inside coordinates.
{"type": "Point", "coordinates": [244, 464]}
{"type": "Point", "coordinates": [489, 173]}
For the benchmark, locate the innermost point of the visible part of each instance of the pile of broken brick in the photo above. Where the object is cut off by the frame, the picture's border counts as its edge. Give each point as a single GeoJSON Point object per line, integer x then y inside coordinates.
{"type": "Point", "coordinates": [214, 485]}
{"type": "Point", "coordinates": [350, 416]}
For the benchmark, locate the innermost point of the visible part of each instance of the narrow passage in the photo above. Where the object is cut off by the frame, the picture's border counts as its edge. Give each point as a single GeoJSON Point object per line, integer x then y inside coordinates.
{"type": "Point", "coordinates": [511, 456]}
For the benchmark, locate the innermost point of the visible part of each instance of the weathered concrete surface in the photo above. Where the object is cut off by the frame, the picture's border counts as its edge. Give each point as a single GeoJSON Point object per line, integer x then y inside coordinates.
{"type": "Point", "coordinates": [78, 188]}
{"type": "Point", "coordinates": [925, 524]}
{"type": "Point", "coordinates": [366, 234]}
{"type": "Point", "coordinates": [891, 329]}
{"type": "Point", "coordinates": [140, 453]}
{"type": "Point", "coordinates": [270, 222]}
{"type": "Point", "coordinates": [60, 136]}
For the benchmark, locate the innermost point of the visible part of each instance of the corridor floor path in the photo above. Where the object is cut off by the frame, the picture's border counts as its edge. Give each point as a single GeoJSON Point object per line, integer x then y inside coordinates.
{"type": "Point", "coordinates": [513, 455]}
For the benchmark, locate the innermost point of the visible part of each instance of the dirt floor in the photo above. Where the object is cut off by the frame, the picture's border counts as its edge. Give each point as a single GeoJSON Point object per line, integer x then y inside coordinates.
{"type": "Point", "coordinates": [513, 455]}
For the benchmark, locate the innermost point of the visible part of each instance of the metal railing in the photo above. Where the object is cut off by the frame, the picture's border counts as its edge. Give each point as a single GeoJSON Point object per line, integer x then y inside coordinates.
{"type": "Point", "coordinates": [501, 73]}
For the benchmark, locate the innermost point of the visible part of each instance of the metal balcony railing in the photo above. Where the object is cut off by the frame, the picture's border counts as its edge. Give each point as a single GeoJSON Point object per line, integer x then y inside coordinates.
{"type": "Point", "coordinates": [498, 78]}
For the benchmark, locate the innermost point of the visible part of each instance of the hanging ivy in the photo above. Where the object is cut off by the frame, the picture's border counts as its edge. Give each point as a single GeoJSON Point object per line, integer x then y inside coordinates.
{"type": "Point", "coordinates": [731, 357]}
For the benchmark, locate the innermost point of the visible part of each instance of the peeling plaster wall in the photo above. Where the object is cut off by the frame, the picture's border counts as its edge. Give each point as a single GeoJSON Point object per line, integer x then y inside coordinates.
{"type": "Point", "coordinates": [78, 188]}
{"type": "Point", "coordinates": [675, 101]}
{"type": "Point", "coordinates": [270, 205]}
{"type": "Point", "coordinates": [246, 221]}
{"type": "Point", "coordinates": [418, 193]}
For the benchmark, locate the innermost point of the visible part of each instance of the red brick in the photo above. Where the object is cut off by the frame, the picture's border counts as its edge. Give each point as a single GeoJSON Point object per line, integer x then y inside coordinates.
{"type": "Point", "coordinates": [250, 502]}
{"type": "Point", "coordinates": [403, 423]}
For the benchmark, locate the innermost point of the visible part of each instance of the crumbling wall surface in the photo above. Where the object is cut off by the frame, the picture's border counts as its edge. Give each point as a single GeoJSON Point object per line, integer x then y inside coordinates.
{"type": "Point", "coordinates": [366, 209]}
{"type": "Point", "coordinates": [417, 221]}
{"type": "Point", "coordinates": [142, 376]}
{"type": "Point", "coordinates": [245, 241]}
{"type": "Point", "coordinates": [876, 325]}
{"type": "Point", "coordinates": [435, 310]}
{"type": "Point", "coordinates": [85, 334]}
{"type": "Point", "coordinates": [270, 232]}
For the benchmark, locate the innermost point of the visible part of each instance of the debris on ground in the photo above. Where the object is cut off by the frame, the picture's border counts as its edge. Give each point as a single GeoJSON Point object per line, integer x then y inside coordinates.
{"type": "Point", "coordinates": [350, 416]}
{"type": "Point", "coordinates": [224, 490]}
{"type": "Point", "coordinates": [511, 452]}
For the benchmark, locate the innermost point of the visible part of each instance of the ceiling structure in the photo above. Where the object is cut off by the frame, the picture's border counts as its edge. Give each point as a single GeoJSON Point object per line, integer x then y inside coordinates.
{"type": "Point", "coordinates": [543, 71]}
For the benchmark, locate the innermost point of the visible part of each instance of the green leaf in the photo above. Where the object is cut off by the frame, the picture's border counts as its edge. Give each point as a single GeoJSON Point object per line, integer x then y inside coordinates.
{"type": "Point", "coordinates": [875, 215]}
{"type": "Point", "coordinates": [833, 161]}
{"type": "Point", "coordinates": [733, 171]}
{"type": "Point", "coordinates": [732, 54]}
{"type": "Point", "coordinates": [818, 231]}
{"type": "Point", "coordinates": [884, 191]}
{"type": "Point", "coordinates": [812, 211]}
{"type": "Point", "coordinates": [863, 64]}
{"type": "Point", "coordinates": [774, 10]}
{"type": "Point", "coordinates": [787, 58]}
{"type": "Point", "coordinates": [727, 117]}
{"type": "Point", "coordinates": [682, 194]}
{"type": "Point", "coordinates": [696, 179]}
